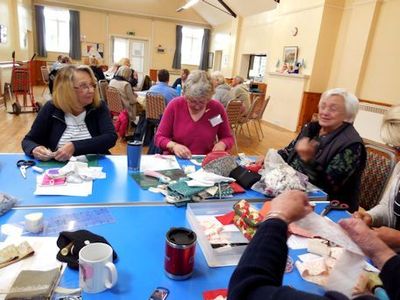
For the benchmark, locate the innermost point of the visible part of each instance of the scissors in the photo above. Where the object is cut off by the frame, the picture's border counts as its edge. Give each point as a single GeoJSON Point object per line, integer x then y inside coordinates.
{"type": "Point", "coordinates": [334, 205]}
{"type": "Point", "coordinates": [23, 165]}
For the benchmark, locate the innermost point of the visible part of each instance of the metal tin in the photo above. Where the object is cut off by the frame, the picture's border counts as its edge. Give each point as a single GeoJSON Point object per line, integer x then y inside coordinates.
{"type": "Point", "coordinates": [179, 253]}
{"type": "Point", "coordinates": [134, 153]}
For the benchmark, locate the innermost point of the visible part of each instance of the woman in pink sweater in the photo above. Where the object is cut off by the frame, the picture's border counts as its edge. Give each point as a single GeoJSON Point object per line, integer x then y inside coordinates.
{"type": "Point", "coordinates": [190, 124]}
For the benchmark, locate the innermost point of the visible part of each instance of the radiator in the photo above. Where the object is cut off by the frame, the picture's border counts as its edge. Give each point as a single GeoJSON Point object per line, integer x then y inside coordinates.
{"type": "Point", "coordinates": [369, 120]}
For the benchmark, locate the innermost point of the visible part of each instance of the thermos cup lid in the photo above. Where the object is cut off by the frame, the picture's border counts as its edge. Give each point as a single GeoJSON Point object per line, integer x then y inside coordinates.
{"type": "Point", "coordinates": [135, 143]}
{"type": "Point", "coordinates": [181, 237]}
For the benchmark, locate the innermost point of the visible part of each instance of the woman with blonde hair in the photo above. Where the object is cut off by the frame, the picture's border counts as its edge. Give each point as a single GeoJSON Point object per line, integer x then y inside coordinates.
{"type": "Point", "coordinates": [133, 80]}
{"type": "Point", "coordinates": [385, 217]}
{"type": "Point", "coordinates": [121, 83]}
{"type": "Point", "coordinates": [191, 123]}
{"type": "Point", "coordinates": [75, 122]}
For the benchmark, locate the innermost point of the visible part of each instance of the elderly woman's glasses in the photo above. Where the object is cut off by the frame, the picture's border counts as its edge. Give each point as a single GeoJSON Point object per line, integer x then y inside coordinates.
{"type": "Point", "coordinates": [86, 86]}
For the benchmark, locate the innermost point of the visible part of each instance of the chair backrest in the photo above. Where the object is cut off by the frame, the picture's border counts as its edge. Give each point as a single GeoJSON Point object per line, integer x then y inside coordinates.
{"type": "Point", "coordinates": [257, 107]}
{"type": "Point", "coordinates": [45, 74]}
{"type": "Point", "coordinates": [103, 86]}
{"type": "Point", "coordinates": [233, 112]}
{"type": "Point", "coordinates": [379, 167]}
{"type": "Point", "coordinates": [114, 100]}
{"type": "Point", "coordinates": [155, 105]}
{"type": "Point", "coordinates": [266, 101]}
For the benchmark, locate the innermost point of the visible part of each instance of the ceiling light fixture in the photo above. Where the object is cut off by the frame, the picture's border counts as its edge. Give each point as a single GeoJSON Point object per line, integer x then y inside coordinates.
{"type": "Point", "coordinates": [227, 10]}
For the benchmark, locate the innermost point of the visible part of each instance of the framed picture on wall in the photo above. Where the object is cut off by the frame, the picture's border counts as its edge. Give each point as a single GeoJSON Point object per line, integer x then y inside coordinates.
{"type": "Point", "coordinates": [210, 60]}
{"type": "Point", "coordinates": [93, 49]}
{"type": "Point", "coordinates": [290, 55]}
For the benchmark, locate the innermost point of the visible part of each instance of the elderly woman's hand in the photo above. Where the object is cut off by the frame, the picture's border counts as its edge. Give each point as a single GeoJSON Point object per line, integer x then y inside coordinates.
{"type": "Point", "coordinates": [220, 146]}
{"type": "Point", "coordinates": [306, 149]}
{"type": "Point", "coordinates": [42, 153]}
{"type": "Point", "coordinates": [182, 151]}
{"type": "Point", "coordinates": [291, 205]}
{"type": "Point", "coordinates": [390, 236]}
{"type": "Point", "coordinates": [65, 152]}
{"type": "Point", "coordinates": [364, 216]}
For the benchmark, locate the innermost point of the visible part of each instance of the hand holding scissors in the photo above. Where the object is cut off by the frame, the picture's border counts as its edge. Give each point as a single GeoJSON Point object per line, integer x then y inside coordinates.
{"type": "Point", "coordinates": [334, 205]}
{"type": "Point", "coordinates": [23, 165]}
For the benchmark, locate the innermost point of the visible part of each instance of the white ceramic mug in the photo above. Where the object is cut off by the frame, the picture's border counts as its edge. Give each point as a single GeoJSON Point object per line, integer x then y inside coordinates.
{"type": "Point", "coordinates": [96, 270]}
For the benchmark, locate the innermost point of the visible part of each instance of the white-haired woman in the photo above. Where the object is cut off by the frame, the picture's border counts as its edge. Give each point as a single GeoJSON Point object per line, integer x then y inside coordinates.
{"type": "Point", "coordinates": [222, 90]}
{"type": "Point", "coordinates": [122, 84]}
{"type": "Point", "coordinates": [191, 123]}
{"type": "Point", "coordinates": [385, 217]}
{"type": "Point", "coordinates": [331, 152]}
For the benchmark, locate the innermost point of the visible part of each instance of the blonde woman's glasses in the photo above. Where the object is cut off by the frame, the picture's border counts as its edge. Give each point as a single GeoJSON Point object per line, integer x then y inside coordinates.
{"type": "Point", "coordinates": [86, 86]}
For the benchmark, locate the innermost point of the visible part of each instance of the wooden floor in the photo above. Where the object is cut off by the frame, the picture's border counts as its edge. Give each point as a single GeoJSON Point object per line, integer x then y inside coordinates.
{"type": "Point", "coordinates": [13, 128]}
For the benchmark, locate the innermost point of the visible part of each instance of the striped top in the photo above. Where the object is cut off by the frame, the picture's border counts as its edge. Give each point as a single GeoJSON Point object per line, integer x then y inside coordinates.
{"type": "Point", "coordinates": [76, 129]}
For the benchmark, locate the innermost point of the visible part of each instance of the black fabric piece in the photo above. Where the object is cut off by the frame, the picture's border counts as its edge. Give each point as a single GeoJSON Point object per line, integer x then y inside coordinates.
{"type": "Point", "coordinates": [244, 177]}
{"type": "Point", "coordinates": [396, 210]}
{"type": "Point", "coordinates": [79, 240]}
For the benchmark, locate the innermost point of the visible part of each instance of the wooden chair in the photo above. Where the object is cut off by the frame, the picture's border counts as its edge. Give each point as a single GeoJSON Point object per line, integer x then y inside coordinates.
{"type": "Point", "coordinates": [114, 101]}
{"type": "Point", "coordinates": [103, 86]}
{"type": "Point", "coordinates": [45, 77]}
{"type": "Point", "coordinates": [254, 114]}
{"type": "Point", "coordinates": [380, 164]}
{"type": "Point", "coordinates": [234, 110]}
{"type": "Point", "coordinates": [155, 105]}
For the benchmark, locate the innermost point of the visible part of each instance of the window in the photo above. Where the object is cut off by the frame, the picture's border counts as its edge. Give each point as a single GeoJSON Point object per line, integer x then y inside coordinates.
{"type": "Point", "coordinates": [23, 26]}
{"type": "Point", "coordinates": [192, 39]}
{"type": "Point", "coordinates": [257, 67]}
{"type": "Point", "coordinates": [57, 29]}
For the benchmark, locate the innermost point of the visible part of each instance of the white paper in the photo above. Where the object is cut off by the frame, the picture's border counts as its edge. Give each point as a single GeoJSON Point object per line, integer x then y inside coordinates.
{"type": "Point", "coordinates": [158, 163]}
{"type": "Point", "coordinates": [70, 189]}
{"type": "Point", "coordinates": [43, 259]}
{"type": "Point", "coordinates": [297, 242]}
{"type": "Point", "coordinates": [308, 257]}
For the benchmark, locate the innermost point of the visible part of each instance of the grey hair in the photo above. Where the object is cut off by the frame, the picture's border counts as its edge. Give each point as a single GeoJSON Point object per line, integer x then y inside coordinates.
{"type": "Point", "coordinates": [351, 102]}
{"type": "Point", "coordinates": [124, 72]}
{"type": "Point", "coordinates": [218, 77]}
{"type": "Point", "coordinates": [390, 129]}
{"type": "Point", "coordinates": [198, 85]}
{"type": "Point", "coordinates": [239, 79]}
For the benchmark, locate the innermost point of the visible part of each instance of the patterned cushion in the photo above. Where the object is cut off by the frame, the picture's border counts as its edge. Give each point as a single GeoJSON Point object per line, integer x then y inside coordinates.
{"type": "Point", "coordinates": [376, 173]}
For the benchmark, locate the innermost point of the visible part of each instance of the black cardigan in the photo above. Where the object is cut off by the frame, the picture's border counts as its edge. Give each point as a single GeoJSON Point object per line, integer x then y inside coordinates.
{"type": "Point", "coordinates": [259, 273]}
{"type": "Point", "coordinates": [49, 126]}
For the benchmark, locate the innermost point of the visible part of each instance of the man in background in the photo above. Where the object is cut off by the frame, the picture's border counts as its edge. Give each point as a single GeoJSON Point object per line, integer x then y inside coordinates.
{"type": "Point", "coordinates": [239, 92]}
{"type": "Point", "coordinates": [162, 88]}
{"type": "Point", "coordinates": [181, 80]}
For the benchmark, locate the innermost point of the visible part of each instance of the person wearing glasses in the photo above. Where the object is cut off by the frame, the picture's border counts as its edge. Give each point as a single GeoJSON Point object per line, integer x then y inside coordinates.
{"type": "Point", "coordinates": [330, 151]}
{"type": "Point", "coordinates": [75, 122]}
{"type": "Point", "coordinates": [191, 124]}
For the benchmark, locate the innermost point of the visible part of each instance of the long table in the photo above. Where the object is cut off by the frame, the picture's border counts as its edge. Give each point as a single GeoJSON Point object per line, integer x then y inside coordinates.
{"type": "Point", "coordinates": [138, 236]}
{"type": "Point", "coordinates": [119, 188]}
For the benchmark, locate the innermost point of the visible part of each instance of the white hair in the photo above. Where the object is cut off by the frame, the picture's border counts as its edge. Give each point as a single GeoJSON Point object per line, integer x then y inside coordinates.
{"type": "Point", "coordinates": [390, 130]}
{"type": "Point", "coordinates": [218, 77]}
{"type": "Point", "coordinates": [351, 102]}
{"type": "Point", "coordinates": [198, 85]}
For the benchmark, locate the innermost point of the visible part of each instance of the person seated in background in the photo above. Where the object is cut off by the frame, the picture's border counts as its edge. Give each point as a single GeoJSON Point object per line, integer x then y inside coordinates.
{"type": "Point", "coordinates": [331, 152]}
{"type": "Point", "coordinates": [239, 92]}
{"type": "Point", "coordinates": [109, 74]}
{"type": "Point", "coordinates": [191, 123]}
{"type": "Point", "coordinates": [162, 88]}
{"type": "Point", "coordinates": [134, 77]}
{"type": "Point", "coordinates": [181, 80]}
{"type": "Point", "coordinates": [260, 270]}
{"type": "Point", "coordinates": [75, 122]}
{"type": "Point", "coordinates": [57, 64]}
{"type": "Point", "coordinates": [64, 61]}
{"type": "Point", "coordinates": [97, 71]}
{"type": "Point", "coordinates": [222, 90]}
{"type": "Point", "coordinates": [385, 217]}
{"type": "Point", "coordinates": [121, 83]}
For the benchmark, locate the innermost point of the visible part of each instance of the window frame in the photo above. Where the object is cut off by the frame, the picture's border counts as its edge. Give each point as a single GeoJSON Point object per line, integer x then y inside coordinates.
{"type": "Point", "coordinates": [195, 60]}
{"type": "Point", "coordinates": [56, 21]}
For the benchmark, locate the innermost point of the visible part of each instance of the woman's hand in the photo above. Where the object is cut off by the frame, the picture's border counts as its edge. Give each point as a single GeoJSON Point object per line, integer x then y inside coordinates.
{"type": "Point", "coordinates": [42, 153]}
{"type": "Point", "coordinates": [368, 240]}
{"type": "Point", "coordinates": [292, 205]}
{"type": "Point", "coordinates": [364, 216]}
{"type": "Point", "coordinates": [306, 149]}
{"type": "Point", "coordinates": [65, 152]}
{"type": "Point", "coordinates": [220, 146]}
{"type": "Point", "coordinates": [390, 236]}
{"type": "Point", "coordinates": [181, 151]}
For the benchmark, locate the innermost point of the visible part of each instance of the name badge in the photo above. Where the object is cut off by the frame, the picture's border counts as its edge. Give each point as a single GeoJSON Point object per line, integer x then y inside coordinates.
{"type": "Point", "coordinates": [216, 120]}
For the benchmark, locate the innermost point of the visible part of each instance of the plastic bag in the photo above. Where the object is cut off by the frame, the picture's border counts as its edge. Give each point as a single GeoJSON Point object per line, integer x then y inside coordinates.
{"type": "Point", "coordinates": [277, 176]}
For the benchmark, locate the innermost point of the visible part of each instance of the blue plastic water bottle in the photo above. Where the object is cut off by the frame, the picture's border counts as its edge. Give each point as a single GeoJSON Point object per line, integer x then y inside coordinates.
{"type": "Point", "coordinates": [179, 89]}
{"type": "Point", "coordinates": [134, 152]}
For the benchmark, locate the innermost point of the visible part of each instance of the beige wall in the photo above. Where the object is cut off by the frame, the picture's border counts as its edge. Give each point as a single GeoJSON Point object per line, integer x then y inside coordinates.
{"type": "Point", "coordinates": [9, 18]}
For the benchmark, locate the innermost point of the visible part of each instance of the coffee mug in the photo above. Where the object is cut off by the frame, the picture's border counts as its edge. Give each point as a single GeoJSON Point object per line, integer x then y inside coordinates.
{"type": "Point", "coordinates": [96, 270]}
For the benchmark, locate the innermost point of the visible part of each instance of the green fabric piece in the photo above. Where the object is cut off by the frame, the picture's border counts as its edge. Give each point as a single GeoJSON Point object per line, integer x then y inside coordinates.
{"type": "Point", "coordinates": [93, 161]}
{"type": "Point", "coordinates": [147, 182]}
{"type": "Point", "coordinates": [183, 190]}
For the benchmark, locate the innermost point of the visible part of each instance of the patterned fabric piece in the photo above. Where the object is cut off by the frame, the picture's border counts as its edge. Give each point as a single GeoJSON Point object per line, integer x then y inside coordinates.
{"type": "Point", "coordinates": [221, 166]}
{"type": "Point", "coordinates": [181, 189]}
{"type": "Point", "coordinates": [377, 172]}
{"type": "Point", "coordinates": [246, 218]}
